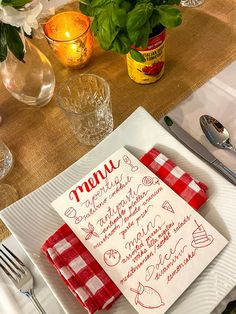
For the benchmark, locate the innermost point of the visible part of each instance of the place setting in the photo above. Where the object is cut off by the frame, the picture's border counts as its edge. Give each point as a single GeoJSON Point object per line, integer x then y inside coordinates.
{"type": "Point", "coordinates": [152, 174]}
{"type": "Point", "coordinates": [117, 189]}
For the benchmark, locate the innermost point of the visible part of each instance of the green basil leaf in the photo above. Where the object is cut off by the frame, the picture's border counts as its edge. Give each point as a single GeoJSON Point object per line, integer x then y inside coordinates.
{"type": "Point", "coordinates": [100, 3]}
{"type": "Point", "coordinates": [143, 36]}
{"type": "Point", "coordinates": [139, 16]}
{"type": "Point", "coordinates": [134, 36]}
{"type": "Point", "coordinates": [117, 2]}
{"type": "Point", "coordinates": [121, 43]}
{"type": "Point", "coordinates": [15, 3]}
{"type": "Point", "coordinates": [85, 9]}
{"type": "Point", "coordinates": [169, 16]}
{"type": "Point", "coordinates": [89, 11]}
{"type": "Point", "coordinates": [137, 56]}
{"type": "Point", "coordinates": [155, 18]}
{"type": "Point", "coordinates": [143, 1]}
{"type": "Point", "coordinates": [119, 17]}
{"type": "Point", "coordinates": [94, 26]}
{"type": "Point", "coordinates": [157, 2]}
{"type": "Point", "coordinates": [3, 43]}
{"type": "Point", "coordinates": [140, 38]}
{"type": "Point", "coordinates": [126, 5]}
{"type": "Point", "coordinates": [14, 41]}
{"type": "Point", "coordinates": [107, 30]}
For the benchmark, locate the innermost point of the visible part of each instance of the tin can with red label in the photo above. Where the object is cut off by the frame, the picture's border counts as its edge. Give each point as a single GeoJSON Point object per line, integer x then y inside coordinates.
{"type": "Point", "coordinates": [152, 69]}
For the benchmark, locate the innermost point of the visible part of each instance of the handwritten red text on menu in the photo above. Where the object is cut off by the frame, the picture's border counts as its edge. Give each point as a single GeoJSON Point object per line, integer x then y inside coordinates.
{"type": "Point", "coordinates": [148, 240]}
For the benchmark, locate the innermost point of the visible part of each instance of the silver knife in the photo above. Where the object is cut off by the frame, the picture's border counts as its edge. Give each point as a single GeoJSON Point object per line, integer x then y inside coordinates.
{"type": "Point", "coordinates": [197, 148]}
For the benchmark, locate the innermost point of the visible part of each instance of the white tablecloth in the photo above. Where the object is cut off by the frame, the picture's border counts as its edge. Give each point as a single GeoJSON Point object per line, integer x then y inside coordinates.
{"type": "Point", "coordinates": [217, 98]}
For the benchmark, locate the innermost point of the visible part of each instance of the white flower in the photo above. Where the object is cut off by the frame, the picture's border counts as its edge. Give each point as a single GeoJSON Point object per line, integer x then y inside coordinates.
{"type": "Point", "coordinates": [27, 19]}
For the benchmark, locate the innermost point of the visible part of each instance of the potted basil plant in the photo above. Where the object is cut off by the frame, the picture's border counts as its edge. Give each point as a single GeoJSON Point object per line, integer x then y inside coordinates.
{"type": "Point", "coordinates": [135, 28]}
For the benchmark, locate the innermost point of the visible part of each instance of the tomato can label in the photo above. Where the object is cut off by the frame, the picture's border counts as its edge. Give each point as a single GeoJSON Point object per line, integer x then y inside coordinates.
{"type": "Point", "coordinates": [152, 69]}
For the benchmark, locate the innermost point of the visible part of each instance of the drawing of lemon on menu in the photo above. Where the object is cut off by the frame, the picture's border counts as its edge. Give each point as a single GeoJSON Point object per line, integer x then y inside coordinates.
{"type": "Point", "coordinates": [147, 297]}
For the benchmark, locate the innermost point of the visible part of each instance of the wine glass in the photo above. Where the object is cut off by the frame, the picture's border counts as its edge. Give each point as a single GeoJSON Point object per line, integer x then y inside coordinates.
{"type": "Point", "coordinates": [7, 192]}
{"type": "Point", "coordinates": [191, 3]}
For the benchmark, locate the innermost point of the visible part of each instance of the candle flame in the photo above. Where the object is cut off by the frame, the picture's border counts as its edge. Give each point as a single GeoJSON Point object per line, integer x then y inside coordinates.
{"type": "Point", "coordinates": [74, 46]}
{"type": "Point", "coordinates": [67, 34]}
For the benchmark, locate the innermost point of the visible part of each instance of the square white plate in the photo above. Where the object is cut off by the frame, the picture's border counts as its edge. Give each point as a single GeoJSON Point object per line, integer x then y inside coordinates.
{"type": "Point", "coordinates": [32, 219]}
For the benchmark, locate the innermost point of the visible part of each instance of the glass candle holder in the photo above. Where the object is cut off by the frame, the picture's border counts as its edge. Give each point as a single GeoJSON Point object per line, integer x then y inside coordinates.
{"type": "Point", "coordinates": [70, 37]}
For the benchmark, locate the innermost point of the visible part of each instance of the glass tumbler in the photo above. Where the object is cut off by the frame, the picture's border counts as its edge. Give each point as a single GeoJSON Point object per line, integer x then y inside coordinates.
{"type": "Point", "coordinates": [86, 101]}
{"type": "Point", "coordinates": [191, 3]}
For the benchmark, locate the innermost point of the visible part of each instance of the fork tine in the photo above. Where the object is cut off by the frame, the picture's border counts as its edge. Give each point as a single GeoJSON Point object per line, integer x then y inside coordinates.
{"type": "Point", "coordinates": [13, 263]}
{"type": "Point", "coordinates": [7, 272]}
{"type": "Point", "coordinates": [13, 255]}
{"type": "Point", "coordinates": [9, 266]}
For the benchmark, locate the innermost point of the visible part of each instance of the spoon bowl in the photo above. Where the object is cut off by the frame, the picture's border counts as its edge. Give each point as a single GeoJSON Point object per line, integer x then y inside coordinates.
{"type": "Point", "coordinates": [216, 133]}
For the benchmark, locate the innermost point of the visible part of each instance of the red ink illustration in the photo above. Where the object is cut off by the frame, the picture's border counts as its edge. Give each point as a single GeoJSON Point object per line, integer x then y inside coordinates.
{"type": "Point", "coordinates": [72, 213]}
{"type": "Point", "coordinates": [90, 231]}
{"type": "Point", "coordinates": [200, 237]}
{"type": "Point", "coordinates": [147, 180]}
{"type": "Point", "coordinates": [166, 205]}
{"type": "Point", "coordinates": [112, 257]}
{"type": "Point", "coordinates": [147, 297]}
{"type": "Point", "coordinates": [129, 162]}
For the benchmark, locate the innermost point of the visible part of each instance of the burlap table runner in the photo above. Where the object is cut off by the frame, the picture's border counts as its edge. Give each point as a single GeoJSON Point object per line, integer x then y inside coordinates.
{"type": "Point", "coordinates": [41, 140]}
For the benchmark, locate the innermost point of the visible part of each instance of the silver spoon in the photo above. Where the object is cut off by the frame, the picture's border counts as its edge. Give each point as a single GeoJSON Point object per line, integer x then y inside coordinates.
{"type": "Point", "coordinates": [216, 133]}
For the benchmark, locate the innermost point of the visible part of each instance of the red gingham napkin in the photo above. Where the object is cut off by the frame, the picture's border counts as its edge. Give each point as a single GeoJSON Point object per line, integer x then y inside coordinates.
{"type": "Point", "coordinates": [78, 268]}
{"type": "Point", "coordinates": [80, 271]}
{"type": "Point", "coordinates": [191, 190]}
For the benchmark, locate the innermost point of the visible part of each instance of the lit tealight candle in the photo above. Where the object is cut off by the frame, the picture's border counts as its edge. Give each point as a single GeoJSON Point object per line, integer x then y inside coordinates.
{"type": "Point", "coordinates": [70, 37]}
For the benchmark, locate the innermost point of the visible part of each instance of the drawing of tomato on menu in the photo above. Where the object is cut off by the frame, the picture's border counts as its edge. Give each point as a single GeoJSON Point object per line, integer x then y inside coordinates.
{"type": "Point", "coordinates": [147, 297]}
{"type": "Point", "coordinates": [153, 69]}
{"type": "Point", "coordinates": [112, 257]}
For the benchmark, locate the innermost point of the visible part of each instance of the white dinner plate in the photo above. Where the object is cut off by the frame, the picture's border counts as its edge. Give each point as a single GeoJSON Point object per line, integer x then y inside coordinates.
{"type": "Point", "coordinates": [32, 219]}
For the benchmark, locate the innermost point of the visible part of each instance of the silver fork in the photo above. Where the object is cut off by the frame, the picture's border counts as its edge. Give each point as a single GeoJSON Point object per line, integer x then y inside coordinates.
{"type": "Point", "coordinates": [21, 277]}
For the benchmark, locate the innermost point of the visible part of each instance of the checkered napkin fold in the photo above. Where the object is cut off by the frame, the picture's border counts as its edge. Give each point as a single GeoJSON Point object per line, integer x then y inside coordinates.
{"type": "Point", "coordinates": [78, 268]}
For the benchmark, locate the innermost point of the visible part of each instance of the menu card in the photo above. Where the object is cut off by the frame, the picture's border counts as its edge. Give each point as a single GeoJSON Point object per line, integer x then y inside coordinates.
{"type": "Point", "coordinates": [148, 239]}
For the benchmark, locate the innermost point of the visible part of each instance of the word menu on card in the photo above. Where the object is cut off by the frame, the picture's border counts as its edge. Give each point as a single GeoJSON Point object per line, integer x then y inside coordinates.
{"type": "Point", "coordinates": [149, 241]}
